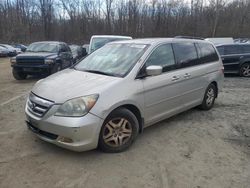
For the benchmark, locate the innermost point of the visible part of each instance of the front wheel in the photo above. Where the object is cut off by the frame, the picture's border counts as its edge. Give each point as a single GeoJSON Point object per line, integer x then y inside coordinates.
{"type": "Point", "coordinates": [56, 68]}
{"type": "Point", "coordinates": [119, 131]}
{"type": "Point", "coordinates": [19, 75]}
{"type": "Point", "coordinates": [245, 70]}
{"type": "Point", "coordinates": [209, 97]}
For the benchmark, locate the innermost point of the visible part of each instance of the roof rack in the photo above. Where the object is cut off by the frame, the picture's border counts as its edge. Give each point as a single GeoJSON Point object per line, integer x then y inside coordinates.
{"type": "Point", "coordinates": [189, 37]}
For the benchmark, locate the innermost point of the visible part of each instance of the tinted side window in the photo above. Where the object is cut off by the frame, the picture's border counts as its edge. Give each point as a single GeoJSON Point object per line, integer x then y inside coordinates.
{"type": "Point", "coordinates": [162, 56]}
{"type": "Point", "coordinates": [207, 53]}
{"type": "Point", "coordinates": [232, 49]}
{"type": "Point", "coordinates": [246, 48]}
{"type": "Point", "coordinates": [185, 53]}
{"type": "Point", "coordinates": [220, 50]}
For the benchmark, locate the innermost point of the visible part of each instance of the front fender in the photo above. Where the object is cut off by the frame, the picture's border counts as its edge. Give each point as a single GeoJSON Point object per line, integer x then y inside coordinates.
{"type": "Point", "coordinates": [104, 114]}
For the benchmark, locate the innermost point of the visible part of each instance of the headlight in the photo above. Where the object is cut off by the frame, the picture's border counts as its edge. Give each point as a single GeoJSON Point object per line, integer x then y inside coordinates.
{"type": "Point", "coordinates": [13, 60]}
{"type": "Point", "coordinates": [49, 61]}
{"type": "Point", "coordinates": [77, 107]}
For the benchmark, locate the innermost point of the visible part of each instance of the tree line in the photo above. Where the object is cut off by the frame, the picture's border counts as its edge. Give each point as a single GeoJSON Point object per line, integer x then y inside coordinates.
{"type": "Point", "coordinates": [75, 21]}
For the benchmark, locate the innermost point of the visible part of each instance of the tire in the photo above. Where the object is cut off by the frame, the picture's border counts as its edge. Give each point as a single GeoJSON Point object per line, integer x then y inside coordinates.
{"type": "Point", "coordinates": [245, 70]}
{"type": "Point", "coordinates": [18, 75]}
{"type": "Point", "coordinates": [209, 97]}
{"type": "Point", "coordinates": [56, 68]}
{"type": "Point", "coordinates": [118, 131]}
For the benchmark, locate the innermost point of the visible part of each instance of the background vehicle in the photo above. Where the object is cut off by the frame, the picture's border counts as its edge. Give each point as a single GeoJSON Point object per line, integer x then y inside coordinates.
{"type": "Point", "coordinates": [86, 47]}
{"type": "Point", "coordinates": [236, 58]}
{"type": "Point", "coordinates": [119, 89]}
{"type": "Point", "coordinates": [78, 52]}
{"type": "Point", "coordinates": [11, 51]}
{"type": "Point", "coordinates": [4, 52]}
{"type": "Point", "coordinates": [20, 46]}
{"type": "Point", "coordinates": [97, 41]}
{"type": "Point", "coordinates": [42, 58]}
{"type": "Point", "coordinates": [11, 48]}
{"type": "Point", "coordinates": [223, 40]}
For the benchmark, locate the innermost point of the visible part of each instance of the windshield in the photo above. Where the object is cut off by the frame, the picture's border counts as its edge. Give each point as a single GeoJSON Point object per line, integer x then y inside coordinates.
{"type": "Point", "coordinates": [43, 47]}
{"type": "Point", "coordinates": [98, 42]}
{"type": "Point", "coordinates": [112, 59]}
{"type": "Point", "coordinates": [8, 46]}
{"type": "Point", "coordinates": [3, 48]}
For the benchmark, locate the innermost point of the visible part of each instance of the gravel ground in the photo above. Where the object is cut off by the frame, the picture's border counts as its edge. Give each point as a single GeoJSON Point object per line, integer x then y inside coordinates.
{"type": "Point", "coordinates": [195, 149]}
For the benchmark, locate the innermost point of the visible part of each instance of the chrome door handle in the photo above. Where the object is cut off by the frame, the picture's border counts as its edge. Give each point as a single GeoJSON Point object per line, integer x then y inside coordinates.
{"type": "Point", "coordinates": [187, 75]}
{"type": "Point", "coordinates": [174, 78]}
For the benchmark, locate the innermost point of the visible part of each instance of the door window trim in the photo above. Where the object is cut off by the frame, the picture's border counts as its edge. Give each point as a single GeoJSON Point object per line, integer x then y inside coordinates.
{"type": "Point", "coordinates": [141, 72]}
{"type": "Point", "coordinates": [191, 65]}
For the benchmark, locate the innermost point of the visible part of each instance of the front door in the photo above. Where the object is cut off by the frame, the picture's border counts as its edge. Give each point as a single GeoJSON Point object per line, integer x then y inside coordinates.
{"type": "Point", "coordinates": [162, 93]}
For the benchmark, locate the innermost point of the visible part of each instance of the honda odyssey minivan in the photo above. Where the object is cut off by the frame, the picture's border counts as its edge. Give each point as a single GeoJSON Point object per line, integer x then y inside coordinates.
{"type": "Point", "coordinates": [109, 97]}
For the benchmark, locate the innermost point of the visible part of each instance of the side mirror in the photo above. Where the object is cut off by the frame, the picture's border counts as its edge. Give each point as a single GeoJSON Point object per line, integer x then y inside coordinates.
{"type": "Point", "coordinates": [154, 70]}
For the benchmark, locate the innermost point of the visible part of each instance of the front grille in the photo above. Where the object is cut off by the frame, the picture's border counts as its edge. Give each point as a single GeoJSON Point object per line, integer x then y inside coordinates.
{"type": "Point", "coordinates": [29, 61]}
{"type": "Point", "coordinates": [38, 106]}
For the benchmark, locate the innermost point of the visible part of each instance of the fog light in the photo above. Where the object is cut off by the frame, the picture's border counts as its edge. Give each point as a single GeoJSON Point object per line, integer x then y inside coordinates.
{"type": "Point", "coordinates": [64, 139]}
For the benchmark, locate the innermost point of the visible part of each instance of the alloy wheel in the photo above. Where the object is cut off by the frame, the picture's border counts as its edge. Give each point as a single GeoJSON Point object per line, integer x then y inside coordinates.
{"type": "Point", "coordinates": [117, 132]}
{"type": "Point", "coordinates": [210, 96]}
{"type": "Point", "coordinates": [246, 70]}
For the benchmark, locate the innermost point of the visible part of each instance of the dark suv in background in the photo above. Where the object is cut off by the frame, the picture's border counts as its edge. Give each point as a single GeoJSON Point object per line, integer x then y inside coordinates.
{"type": "Point", "coordinates": [42, 58]}
{"type": "Point", "coordinates": [236, 58]}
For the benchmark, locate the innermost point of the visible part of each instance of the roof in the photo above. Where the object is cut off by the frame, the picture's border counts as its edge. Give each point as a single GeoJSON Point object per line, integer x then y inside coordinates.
{"type": "Point", "coordinates": [235, 44]}
{"type": "Point", "coordinates": [54, 42]}
{"type": "Point", "coordinates": [160, 40]}
{"type": "Point", "coordinates": [111, 36]}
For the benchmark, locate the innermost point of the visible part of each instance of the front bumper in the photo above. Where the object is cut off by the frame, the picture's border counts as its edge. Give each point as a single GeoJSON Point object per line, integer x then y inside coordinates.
{"type": "Point", "coordinates": [83, 131]}
{"type": "Point", "coordinates": [31, 68]}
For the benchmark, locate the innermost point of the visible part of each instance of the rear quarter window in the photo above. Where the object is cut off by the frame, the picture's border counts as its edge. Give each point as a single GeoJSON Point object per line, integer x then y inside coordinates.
{"type": "Point", "coordinates": [246, 49]}
{"type": "Point", "coordinates": [185, 53]}
{"type": "Point", "coordinates": [207, 53]}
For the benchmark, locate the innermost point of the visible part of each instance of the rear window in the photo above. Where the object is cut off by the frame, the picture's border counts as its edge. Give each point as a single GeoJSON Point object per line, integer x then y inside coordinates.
{"type": "Point", "coordinates": [207, 53]}
{"type": "Point", "coordinates": [246, 48]}
{"type": "Point", "coordinates": [185, 53]}
{"type": "Point", "coordinates": [231, 49]}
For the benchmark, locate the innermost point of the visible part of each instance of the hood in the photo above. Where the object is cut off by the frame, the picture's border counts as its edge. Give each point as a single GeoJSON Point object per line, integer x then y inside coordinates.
{"type": "Point", "coordinates": [36, 55]}
{"type": "Point", "coordinates": [71, 83]}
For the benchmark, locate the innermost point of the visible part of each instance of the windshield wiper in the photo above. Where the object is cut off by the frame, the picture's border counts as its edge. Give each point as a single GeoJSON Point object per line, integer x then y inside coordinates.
{"type": "Point", "coordinates": [100, 72]}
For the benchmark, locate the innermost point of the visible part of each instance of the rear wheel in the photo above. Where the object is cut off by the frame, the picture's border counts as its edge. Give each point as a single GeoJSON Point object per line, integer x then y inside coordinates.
{"type": "Point", "coordinates": [118, 132]}
{"type": "Point", "coordinates": [19, 75]}
{"type": "Point", "coordinates": [209, 97]}
{"type": "Point", "coordinates": [245, 70]}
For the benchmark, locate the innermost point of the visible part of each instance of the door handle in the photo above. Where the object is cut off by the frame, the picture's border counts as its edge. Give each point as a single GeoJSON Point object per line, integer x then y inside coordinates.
{"type": "Point", "coordinates": [174, 78]}
{"type": "Point", "coordinates": [187, 75]}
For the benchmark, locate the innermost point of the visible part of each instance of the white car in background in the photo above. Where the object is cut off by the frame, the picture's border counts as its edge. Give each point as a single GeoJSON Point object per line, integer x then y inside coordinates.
{"type": "Point", "coordinates": [97, 41]}
{"type": "Point", "coordinates": [3, 52]}
{"type": "Point", "coordinates": [11, 48]}
{"type": "Point", "coordinates": [223, 40]}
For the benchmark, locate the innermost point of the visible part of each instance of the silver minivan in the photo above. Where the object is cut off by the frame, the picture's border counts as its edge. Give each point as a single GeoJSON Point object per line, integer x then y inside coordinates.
{"type": "Point", "coordinates": [114, 93]}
